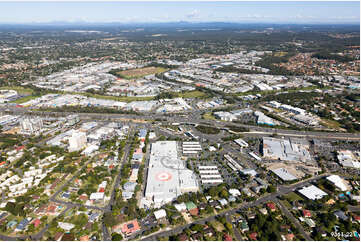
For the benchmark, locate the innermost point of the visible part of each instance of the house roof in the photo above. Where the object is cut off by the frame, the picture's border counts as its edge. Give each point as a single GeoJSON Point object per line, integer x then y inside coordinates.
{"type": "Point", "coordinates": [306, 213]}
{"type": "Point", "coordinates": [253, 236]}
{"type": "Point", "coordinates": [193, 211]}
{"type": "Point", "coordinates": [271, 206]}
{"type": "Point", "coordinates": [36, 222]}
{"type": "Point", "coordinates": [182, 237]}
{"type": "Point", "coordinates": [180, 207]}
{"type": "Point", "coordinates": [160, 214]}
{"type": "Point", "coordinates": [84, 238]}
{"type": "Point", "coordinates": [68, 237]}
{"type": "Point", "coordinates": [227, 237]}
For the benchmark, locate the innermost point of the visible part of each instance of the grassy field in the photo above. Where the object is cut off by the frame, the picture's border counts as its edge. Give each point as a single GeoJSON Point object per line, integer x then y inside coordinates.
{"type": "Point", "coordinates": [24, 99]}
{"type": "Point", "coordinates": [19, 89]}
{"type": "Point", "coordinates": [209, 116]}
{"type": "Point", "coordinates": [140, 72]}
{"type": "Point", "coordinates": [280, 54]}
{"type": "Point", "coordinates": [330, 123]}
{"type": "Point", "coordinates": [293, 197]}
{"type": "Point", "coordinates": [191, 94]}
{"type": "Point", "coordinates": [115, 98]}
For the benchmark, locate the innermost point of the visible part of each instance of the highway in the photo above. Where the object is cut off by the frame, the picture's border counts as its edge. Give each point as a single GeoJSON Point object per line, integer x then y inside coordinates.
{"type": "Point", "coordinates": [192, 119]}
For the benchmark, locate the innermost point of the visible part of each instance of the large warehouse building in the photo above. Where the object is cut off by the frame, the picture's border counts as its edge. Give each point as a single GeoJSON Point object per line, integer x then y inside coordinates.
{"type": "Point", "coordinates": [167, 175]}
{"type": "Point", "coordinates": [286, 149]}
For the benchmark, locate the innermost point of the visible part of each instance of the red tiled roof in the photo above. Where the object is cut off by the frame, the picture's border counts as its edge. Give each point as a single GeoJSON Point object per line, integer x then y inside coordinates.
{"type": "Point", "coordinates": [290, 236]}
{"type": "Point", "coordinates": [306, 213]}
{"type": "Point", "coordinates": [130, 227]}
{"type": "Point", "coordinates": [271, 206]}
{"type": "Point", "coordinates": [84, 238]}
{"type": "Point", "coordinates": [36, 222]}
{"type": "Point", "coordinates": [194, 211]}
{"type": "Point", "coordinates": [253, 236]}
{"type": "Point", "coordinates": [227, 237]}
{"type": "Point", "coordinates": [51, 209]}
{"type": "Point", "coordinates": [19, 147]}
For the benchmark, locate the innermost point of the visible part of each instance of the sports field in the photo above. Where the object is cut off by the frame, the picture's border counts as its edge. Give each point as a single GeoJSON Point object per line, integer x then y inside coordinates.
{"type": "Point", "coordinates": [140, 72]}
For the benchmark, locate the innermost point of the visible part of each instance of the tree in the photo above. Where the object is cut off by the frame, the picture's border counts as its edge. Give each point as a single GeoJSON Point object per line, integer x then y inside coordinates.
{"type": "Point", "coordinates": [117, 237]}
{"type": "Point", "coordinates": [224, 193]}
{"type": "Point", "coordinates": [271, 188]}
{"type": "Point", "coordinates": [197, 227]}
{"type": "Point", "coordinates": [228, 226]}
{"type": "Point", "coordinates": [109, 219]}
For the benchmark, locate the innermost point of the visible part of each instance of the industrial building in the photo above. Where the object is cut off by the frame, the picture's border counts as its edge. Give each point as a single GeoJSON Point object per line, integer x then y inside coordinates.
{"type": "Point", "coordinates": [286, 149]}
{"type": "Point", "coordinates": [263, 119]}
{"type": "Point", "coordinates": [167, 175]}
{"type": "Point", "coordinates": [284, 174]}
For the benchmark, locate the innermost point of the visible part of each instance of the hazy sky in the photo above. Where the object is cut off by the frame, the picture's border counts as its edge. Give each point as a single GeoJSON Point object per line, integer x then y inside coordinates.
{"type": "Point", "coordinates": [261, 12]}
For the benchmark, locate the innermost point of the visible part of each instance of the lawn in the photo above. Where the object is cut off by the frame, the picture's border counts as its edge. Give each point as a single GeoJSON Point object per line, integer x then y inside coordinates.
{"type": "Point", "coordinates": [115, 98]}
{"type": "Point", "coordinates": [293, 197]}
{"type": "Point", "coordinates": [191, 94]}
{"type": "Point", "coordinates": [24, 99]}
{"type": "Point", "coordinates": [20, 90]}
{"type": "Point", "coordinates": [140, 72]}
{"type": "Point", "coordinates": [280, 54]}
{"type": "Point", "coordinates": [209, 116]}
{"type": "Point", "coordinates": [330, 123]}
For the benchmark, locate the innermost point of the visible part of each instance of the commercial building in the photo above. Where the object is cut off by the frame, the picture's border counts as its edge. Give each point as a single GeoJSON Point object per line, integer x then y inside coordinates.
{"type": "Point", "coordinates": [338, 182]}
{"type": "Point", "coordinates": [263, 119]}
{"type": "Point", "coordinates": [167, 175]}
{"type": "Point", "coordinates": [77, 141]}
{"type": "Point", "coordinates": [284, 174]}
{"type": "Point", "coordinates": [31, 126]}
{"type": "Point", "coordinates": [286, 149]}
{"type": "Point", "coordinates": [348, 159]}
{"type": "Point", "coordinates": [312, 192]}
{"type": "Point", "coordinates": [225, 116]}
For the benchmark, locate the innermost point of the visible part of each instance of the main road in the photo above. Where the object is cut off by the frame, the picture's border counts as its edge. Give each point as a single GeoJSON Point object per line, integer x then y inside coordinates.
{"type": "Point", "coordinates": [192, 119]}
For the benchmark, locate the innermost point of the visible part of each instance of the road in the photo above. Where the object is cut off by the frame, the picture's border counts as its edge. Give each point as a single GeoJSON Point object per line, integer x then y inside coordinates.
{"type": "Point", "coordinates": [290, 216]}
{"type": "Point", "coordinates": [106, 235]}
{"type": "Point", "coordinates": [270, 197]}
{"type": "Point", "coordinates": [235, 229]}
{"type": "Point", "coordinates": [192, 119]}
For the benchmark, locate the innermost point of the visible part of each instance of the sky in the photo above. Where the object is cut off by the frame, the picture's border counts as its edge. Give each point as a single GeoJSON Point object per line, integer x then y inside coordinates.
{"type": "Point", "coordinates": [128, 12]}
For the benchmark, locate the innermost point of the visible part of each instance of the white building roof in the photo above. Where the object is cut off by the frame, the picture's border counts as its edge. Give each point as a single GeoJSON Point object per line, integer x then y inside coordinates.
{"type": "Point", "coordinates": [167, 175]}
{"type": "Point", "coordinates": [160, 214]}
{"type": "Point", "coordinates": [66, 226]}
{"type": "Point", "coordinates": [180, 207]}
{"type": "Point", "coordinates": [234, 192]}
{"type": "Point", "coordinates": [312, 192]}
{"type": "Point", "coordinates": [284, 174]}
{"type": "Point", "coordinates": [96, 196]}
{"type": "Point", "coordinates": [338, 182]}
